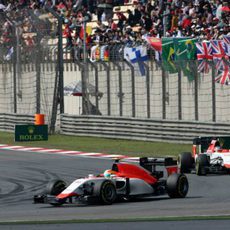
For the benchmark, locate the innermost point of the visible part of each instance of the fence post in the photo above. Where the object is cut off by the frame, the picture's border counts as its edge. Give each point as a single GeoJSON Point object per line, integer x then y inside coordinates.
{"type": "Point", "coordinates": [15, 78]}
{"type": "Point", "coordinates": [108, 88]}
{"type": "Point", "coordinates": [120, 88]}
{"type": "Point", "coordinates": [60, 57]}
{"type": "Point", "coordinates": [133, 88]}
{"type": "Point", "coordinates": [85, 94]}
{"type": "Point", "coordinates": [179, 96]}
{"type": "Point", "coordinates": [163, 94]}
{"type": "Point", "coordinates": [38, 79]}
{"type": "Point", "coordinates": [58, 91]}
{"type": "Point", "coordinates": [213, 93]}
{"type": "Point", "coordinates": [15, 73]}
{"type": "Point", "coordinates": [96, 85]}
{"type": "Point", "coordinates": [18, 62]}
{"type": "Point", "coordinates": [196, 94]}
{"type": "Point", "coordinates": [147, 89]}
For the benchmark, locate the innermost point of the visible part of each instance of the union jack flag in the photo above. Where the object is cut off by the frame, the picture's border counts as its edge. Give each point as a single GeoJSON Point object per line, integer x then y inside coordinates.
{"type": "Point", "coordinates": [223, 73]}
{"type": "Point", "coordinates": [203, 66]}
{"type": "Point", "coordinates": [226, 40]}
{"type": "Point", "coordinates": [218, 50]}
{"type": "Point", "coordinates": [204, 50]}
{"type": "Point", "coordinates": [220, 65]}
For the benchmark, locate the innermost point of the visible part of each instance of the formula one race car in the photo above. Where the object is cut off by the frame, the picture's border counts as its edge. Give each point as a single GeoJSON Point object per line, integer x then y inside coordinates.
{"type": "Point", "coordinates": [209, 155]}
{"type": "Point", "coordinates": [124, 181]}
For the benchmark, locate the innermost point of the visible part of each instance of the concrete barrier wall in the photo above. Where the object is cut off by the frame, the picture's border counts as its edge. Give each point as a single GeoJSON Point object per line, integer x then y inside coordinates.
{"type": "Point", "coordinates": [125, 128]}
{"type": "Point", "coordinates": [140, 129]}
{"type": "Point", "coordinates": [9, 120]}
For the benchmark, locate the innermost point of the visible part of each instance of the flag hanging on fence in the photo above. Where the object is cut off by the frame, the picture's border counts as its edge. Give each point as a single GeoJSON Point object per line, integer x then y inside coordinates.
{"type": "Point", "coordinates": [188, 68]}
{"type": "Point", "coordinates": [185, 48]}
{"type": "Point", "coordinates": [218, 50]}
{"type": "Point", "coordinates": [168, 51]}
{"type": "Point", "coordinates": [203, 66]}
{"type": "Point", "coordinates": [226, 40]}
{"type": "Point", "coordinates": [168, 55]}
{"type": "Point", "coordinates": [136, 56]}
{"type": "Point", "coordinates": [204, 51]}
{"type": "Point", "coordinates": [223, 73]}
{"type": "Point", "coordinates": [154, 42]}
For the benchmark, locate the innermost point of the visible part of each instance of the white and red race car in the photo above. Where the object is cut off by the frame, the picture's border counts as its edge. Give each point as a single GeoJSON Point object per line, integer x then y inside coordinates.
{"type": "Point", "coordinates": [209, 155]}
{"type": "Point", "coordinates": [124, 181]}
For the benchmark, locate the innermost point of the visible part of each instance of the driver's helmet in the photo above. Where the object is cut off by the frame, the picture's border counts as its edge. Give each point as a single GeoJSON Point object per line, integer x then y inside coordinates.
{"type": "Point", "coordinates": [217, 148]}
{"type": "Point", "coordinates": [109, 173]}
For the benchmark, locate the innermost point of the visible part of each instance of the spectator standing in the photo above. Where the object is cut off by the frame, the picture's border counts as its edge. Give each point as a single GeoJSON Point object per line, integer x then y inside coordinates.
{"type": "Point", "coordinates": [130, 18]}
{"type": "Point", "coordinates": [146, 22]}
{"type": "Point", "coordinates": [67, 33]}
{"type": "Point", "coordinates": [106, 7]}
{"type": "Point", "coordinates": [137, 12]}
{"type": "Point", "coordinates": [121, 20]}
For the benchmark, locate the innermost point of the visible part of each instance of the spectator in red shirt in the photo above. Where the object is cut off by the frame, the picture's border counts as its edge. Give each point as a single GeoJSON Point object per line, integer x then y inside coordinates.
{"type": "Point", "coordinates": [121, 20]}
{"type": "Point", "coordinates": [187, 21]}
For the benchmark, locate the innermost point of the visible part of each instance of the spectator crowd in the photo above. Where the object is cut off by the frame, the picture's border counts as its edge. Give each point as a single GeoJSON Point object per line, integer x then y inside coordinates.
{"type": "Point", "coordinates": [204, 19]}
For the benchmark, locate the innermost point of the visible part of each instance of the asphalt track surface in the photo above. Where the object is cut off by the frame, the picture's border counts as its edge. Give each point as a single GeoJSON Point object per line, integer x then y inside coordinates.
{"type": "Point", "coordinates": [24, 174]}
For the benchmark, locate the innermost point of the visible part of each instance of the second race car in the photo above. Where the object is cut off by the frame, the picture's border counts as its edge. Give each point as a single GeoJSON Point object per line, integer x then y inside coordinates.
{"type": "Point", "coordinates": [209, 155]}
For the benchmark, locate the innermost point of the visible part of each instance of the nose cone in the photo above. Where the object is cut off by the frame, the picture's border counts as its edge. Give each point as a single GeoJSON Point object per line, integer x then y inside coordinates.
{"type": "Point", "coordinates": [66, 195]}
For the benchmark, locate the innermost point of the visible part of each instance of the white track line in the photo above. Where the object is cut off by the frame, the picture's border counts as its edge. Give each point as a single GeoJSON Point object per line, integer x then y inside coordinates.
{"type": "Point", "coordinates": [68, 153]}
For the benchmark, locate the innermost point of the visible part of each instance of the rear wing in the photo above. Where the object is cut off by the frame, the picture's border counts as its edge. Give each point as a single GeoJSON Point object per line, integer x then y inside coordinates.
{"type": "Point", "coordinates": [168, 161]}
{"type": "Point", "coordinates": [150, 164]}
{"type": "Point", "coordinates": [201, 144]}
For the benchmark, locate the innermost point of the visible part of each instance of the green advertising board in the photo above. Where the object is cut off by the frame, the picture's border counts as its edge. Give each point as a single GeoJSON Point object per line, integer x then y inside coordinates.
{"type": "Point", "coordinates": [31, 132]}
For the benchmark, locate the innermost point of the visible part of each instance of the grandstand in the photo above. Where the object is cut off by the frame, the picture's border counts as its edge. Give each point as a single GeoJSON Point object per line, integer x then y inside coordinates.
{"type": "Point", "coordinates": [122, 9]}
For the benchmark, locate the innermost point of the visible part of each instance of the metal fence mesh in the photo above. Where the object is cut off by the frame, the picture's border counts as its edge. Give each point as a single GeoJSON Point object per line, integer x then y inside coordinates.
{"type": "Point", "coordinates": [28, 62]}
{"type": "Point", "coordinates": [172, 96]}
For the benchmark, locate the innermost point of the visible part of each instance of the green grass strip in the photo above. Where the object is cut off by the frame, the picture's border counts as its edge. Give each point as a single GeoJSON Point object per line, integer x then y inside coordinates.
{"type": "Point", "coordinates": [103, 145]}
{"type": "Point", "coordinates": [152, 219]}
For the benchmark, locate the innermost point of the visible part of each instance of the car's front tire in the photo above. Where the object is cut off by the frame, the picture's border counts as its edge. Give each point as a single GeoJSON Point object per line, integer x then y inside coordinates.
{"type": "Point", "coordinates": [106, 192]}
{"type": "Point", "coordinates": [54, 188]}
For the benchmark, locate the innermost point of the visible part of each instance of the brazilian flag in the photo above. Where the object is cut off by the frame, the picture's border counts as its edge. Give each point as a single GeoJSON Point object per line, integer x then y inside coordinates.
{"type": "Point", "coordinates": [168, 55]}
{"type": "Point", "coordinates": [188, 68]}
{"type": "Point", "coordinates": [185, 48]}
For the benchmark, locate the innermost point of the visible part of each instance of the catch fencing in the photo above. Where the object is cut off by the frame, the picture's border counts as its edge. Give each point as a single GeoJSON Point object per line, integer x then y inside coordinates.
{"type": "Point", "coordinates": [29, 63]}
{"type": "Point", "coordinates": [120, 91]}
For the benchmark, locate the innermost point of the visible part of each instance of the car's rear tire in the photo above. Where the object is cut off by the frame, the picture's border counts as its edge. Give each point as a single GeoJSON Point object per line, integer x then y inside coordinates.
{"type": "Point", "coordinates": [177, 185]}
{"type": "Point", "coordinates": [185, 162]}
{"type": "Point", "coordinates": [54, 188]}
{"type": "Point", "coordinates": [106, 192]}
{"type": "Point", "coordinates": [202, 163]}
